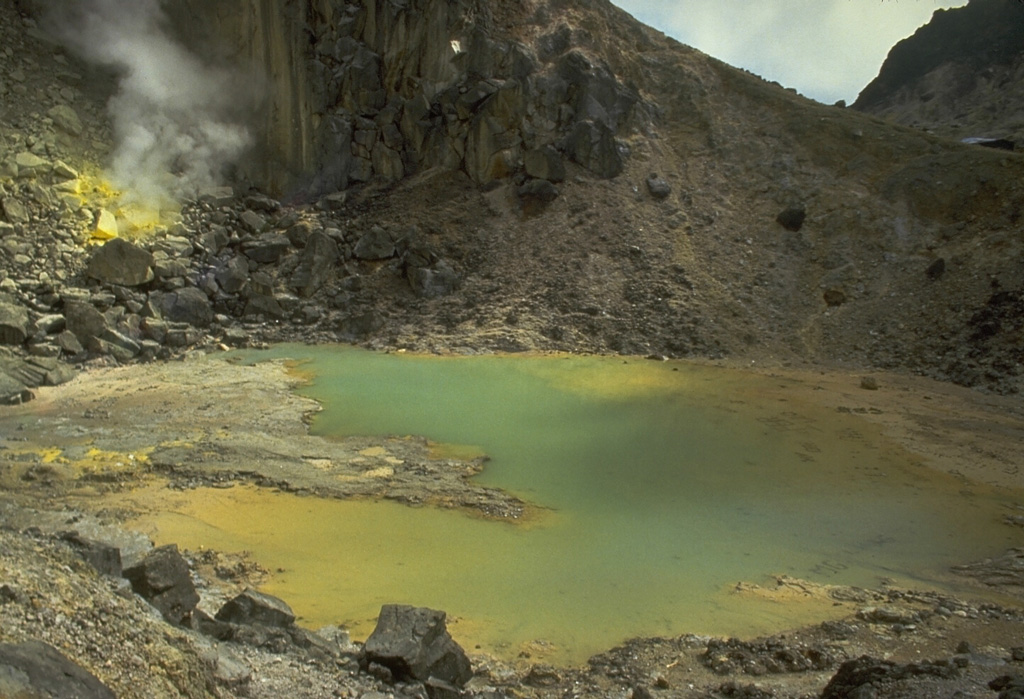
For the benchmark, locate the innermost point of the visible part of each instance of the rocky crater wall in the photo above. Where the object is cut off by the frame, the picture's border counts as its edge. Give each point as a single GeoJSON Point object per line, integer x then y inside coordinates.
{"type": "Point", "coordinates": [382, 89]}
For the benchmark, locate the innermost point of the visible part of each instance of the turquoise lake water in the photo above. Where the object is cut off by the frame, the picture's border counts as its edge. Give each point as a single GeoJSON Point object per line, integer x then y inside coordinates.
{"type": "Point", "coordinates": [663, 485]}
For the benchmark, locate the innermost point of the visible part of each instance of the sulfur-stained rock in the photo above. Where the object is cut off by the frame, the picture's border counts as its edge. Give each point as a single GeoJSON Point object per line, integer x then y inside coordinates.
{"type": "Point", "coordinates": [106, 226]}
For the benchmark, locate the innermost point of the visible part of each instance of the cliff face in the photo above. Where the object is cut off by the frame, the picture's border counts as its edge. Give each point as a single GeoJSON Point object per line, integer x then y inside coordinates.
{"type": "Point", "coordinates": [380, 89]}
{"type": "Point", "coordinates": [551, 174]}
{"type": "Point", "coordinates": [960, 75]}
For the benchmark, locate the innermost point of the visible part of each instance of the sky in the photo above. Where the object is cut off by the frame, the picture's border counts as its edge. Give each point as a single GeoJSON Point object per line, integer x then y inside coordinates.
{"type": "Point", "coordinates": [828, 50]}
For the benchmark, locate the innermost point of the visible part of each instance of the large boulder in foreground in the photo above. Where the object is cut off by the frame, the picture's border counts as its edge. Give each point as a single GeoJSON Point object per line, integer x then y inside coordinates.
{"type": "Point", "coordinates": [35, 669]}
{"type": "Point", "coordinates": [414, 644]}
{"type": "Point", "coordinates": [163, 579]}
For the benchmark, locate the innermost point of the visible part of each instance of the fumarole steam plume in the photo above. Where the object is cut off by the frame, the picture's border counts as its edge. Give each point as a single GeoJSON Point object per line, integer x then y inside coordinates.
{"type": "Point", "coordinates": [174, 118]}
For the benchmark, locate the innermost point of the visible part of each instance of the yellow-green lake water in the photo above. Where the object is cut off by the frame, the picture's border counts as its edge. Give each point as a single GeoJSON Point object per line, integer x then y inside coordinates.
{"type": "Point", "coordinates": [664, 485]}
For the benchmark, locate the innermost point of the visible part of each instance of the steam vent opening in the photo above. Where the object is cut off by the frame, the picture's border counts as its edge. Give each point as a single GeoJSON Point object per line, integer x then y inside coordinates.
{"type": "Point", "coordinates": [466, 348]}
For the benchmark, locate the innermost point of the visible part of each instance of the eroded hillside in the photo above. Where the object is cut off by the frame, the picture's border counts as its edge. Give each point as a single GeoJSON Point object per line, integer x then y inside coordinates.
{"type": "Point", "coordinates": [550, 175]}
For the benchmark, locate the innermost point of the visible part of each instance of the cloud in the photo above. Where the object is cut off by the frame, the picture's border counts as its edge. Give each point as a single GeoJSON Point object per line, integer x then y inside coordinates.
{"type": "Point", "coordinates": [826, 49]}
{"type": "Point", "coordinates": [175, 119]}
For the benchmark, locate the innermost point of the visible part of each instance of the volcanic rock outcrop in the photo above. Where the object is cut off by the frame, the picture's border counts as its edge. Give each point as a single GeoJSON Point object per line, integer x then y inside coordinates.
{"type": "Point", "coordinates": [518, 175]}
{"type": "Point", "coordinates": [960, 75]}
{"type": "Point", "coordinates": [384, 89]}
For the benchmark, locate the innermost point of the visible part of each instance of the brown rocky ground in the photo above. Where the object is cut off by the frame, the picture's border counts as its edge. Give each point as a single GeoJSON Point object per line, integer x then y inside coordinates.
{"type": "Point", "coordinates": [773, 231]}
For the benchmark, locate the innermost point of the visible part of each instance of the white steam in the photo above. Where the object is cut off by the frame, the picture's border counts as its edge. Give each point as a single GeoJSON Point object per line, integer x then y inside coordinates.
{"type": "Point", "coordinates": [175, 119]}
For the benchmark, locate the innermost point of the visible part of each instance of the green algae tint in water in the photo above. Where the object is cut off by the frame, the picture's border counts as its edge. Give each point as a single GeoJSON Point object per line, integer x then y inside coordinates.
{"type": "Point", "coordinates": [667, 484]}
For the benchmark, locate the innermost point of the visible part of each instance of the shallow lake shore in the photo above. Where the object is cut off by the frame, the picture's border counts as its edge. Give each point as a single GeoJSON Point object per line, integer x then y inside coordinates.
{"type": "Point", "coordinates": [193, 423]}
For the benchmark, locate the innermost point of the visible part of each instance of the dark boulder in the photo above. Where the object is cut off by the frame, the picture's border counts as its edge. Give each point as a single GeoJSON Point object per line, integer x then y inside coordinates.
{"type": "Point", "coordinates": [252, 222]}
{"type": "Point", "coordinates": [103, 557]}
{"type": "Point", "coordinates": [834, 297]}
{"type": "Point", "coordinates": [163, 579]}
{"type": "Point", "coordinates": [261, 202]}
{"type": "Point", "coordinates": [36, 371]}
{"type": "Point", "coordinates": [1008, 686]}
{"type": "Point", "coordinates": [544, 164]}
{"type": "Point", "coordinates": [936, 269]}
{"type": "Point", "coordinates": [14, 210]}
{"type": "Point", "coordinates": [792, 218]}
{"type": "Point", "coordinates": [375, 244]}
{"type": "Point", "coordinates": [84, 321]}
{"type": "Point", "coordinates": [537, 193]}
{"type": "Point", "coordinates": [316, 264]}
{"type": "Point", "coordinates": [189, 305]}
{"type": "Point", "coordinates": [233, 275]}
{"type": "Point", "coordinates": [440, 279]}
{"type": "Point", "coordinates": [122, 263]}
{"type": "Point", "coordinates": [267, 249]}
{"type": "Point", "coordinates": [35, 669]}
{"type": "Point", "coordinates": [13, 391]}
{"type": "Point", "coordinates": [299, 233]}
{"type": "Point", "coordinates": [117, 345]}
{"type": "Point", "coordinates": [659, 188]}
{"type": "Point", "coordinates": [264, 304]}
{"type": "Point", "coordinates": [592, 144]}
{"type": "Point", "coordinates": [357, 326]}
{"type": "Point", "coordinates": [251, 607]}
{"type": "Point", "coordinates": [868, 677]}
{"type": "Point", "coordinates": [14, 324]}
{"type": "Point", "coordinates": [414, 644]}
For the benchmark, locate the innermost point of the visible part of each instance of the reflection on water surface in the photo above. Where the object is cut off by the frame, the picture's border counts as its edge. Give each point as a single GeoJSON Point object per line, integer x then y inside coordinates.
{"type": "Point", "coordinates": [666, 484]}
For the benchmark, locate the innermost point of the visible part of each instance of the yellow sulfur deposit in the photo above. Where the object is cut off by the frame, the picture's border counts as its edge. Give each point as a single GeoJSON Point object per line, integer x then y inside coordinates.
{"type": "Point", "coordinates": [106, 225]}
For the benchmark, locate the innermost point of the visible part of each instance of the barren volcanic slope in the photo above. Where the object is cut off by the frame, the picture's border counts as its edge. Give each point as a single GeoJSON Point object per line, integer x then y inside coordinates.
{"type": "Point", "coordinates": [960, 75]}
{"type": "Point", "coordinates": [556, 175]}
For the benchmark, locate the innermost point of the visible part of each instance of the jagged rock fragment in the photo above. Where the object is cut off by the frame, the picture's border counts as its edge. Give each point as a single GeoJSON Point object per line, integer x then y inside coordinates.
{"type": "Point", "coordinates": [163, 579]}
{"type": "Point", "coordinates": [251, 607]}
{"type": "Point", "coordinates": [316, 264]}
{"type": "Point", "coordinates": [414, 644]}
{"type": "Point", "coordinates": [36, 669]}
{"type": "Point", "coordinates": [122, 263]}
